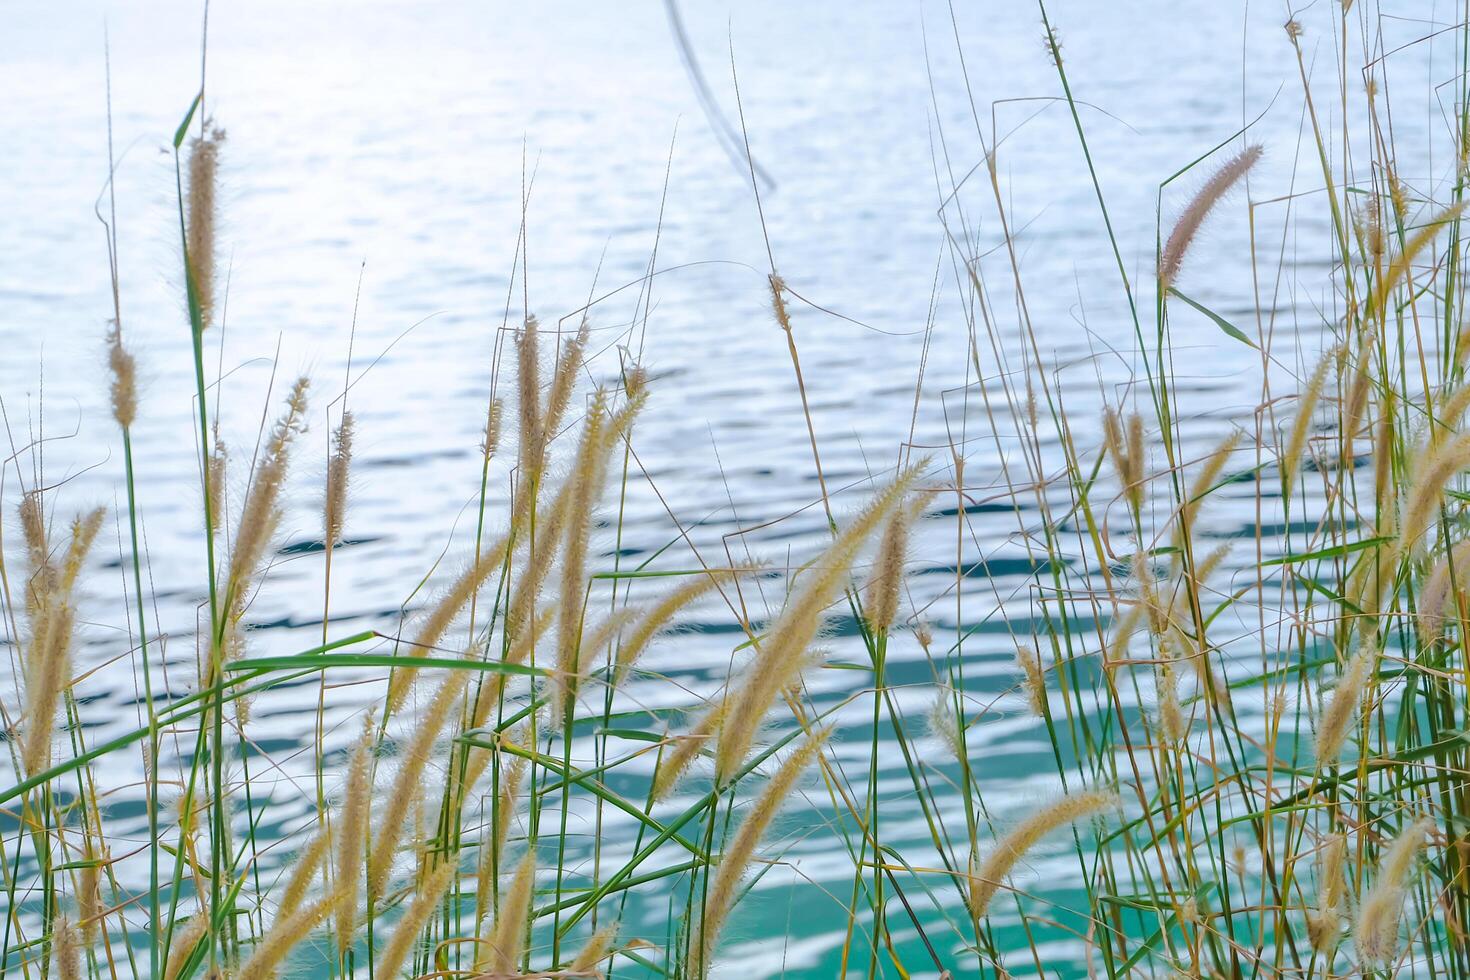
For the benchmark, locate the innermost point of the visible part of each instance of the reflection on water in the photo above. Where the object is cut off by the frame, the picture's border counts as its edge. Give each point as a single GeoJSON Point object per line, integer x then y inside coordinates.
{"type": "Point", "coordinates": [399, 144]}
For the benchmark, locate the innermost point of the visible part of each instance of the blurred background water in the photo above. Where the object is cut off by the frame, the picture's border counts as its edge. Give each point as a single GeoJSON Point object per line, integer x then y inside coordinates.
{"type": "Point", "coordinates": [399, 143]}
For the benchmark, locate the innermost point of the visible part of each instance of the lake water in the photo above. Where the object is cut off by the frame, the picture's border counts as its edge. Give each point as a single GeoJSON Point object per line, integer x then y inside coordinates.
{"type": "Point", "coordinates": [396, 142]}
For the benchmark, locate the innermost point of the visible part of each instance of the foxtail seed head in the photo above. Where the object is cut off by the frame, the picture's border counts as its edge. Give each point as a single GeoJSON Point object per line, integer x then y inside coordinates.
{"type": "Point", "coordinates": [1193, 216]}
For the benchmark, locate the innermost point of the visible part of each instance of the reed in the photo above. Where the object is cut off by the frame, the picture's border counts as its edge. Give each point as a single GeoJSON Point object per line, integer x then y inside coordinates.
{"type": "Point", "coordinates": [1192, 218]}
{"type": "Point", "coordinates": [506, 945]}
{"type": "Point", "coordinates": [351, 833]}
{"type": "Point", "coordinates": [737, 856]}
{"type": "Point", "coordinates": [1376, 934]}
{"type": "Point", "coordinates": [202, 217]}
{"type": "Point", "coordinates": [988, 874]}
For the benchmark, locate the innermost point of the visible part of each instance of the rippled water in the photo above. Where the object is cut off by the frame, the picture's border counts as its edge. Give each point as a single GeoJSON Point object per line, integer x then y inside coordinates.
{"type": "Point", "coordinates": [398, 141]}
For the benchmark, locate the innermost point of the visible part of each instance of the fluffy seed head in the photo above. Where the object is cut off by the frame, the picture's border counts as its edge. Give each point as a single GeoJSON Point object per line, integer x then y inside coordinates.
{"type": "Point", "coordinates": [124, 379]}
{"type": "Point", "coordinates": [305, 864]}
{"type": "Point", "coordinates": [880, 607]}
{"type": "Point", "coordinates": [986, 876]}
{"type": "Point", "coordinates": [183, 945]}
{"type": "Point", "coordinates": [662, 612]}
{"type": "Point", "coordinates": [945, 725]}
{"type": "Point", "coordinates": [47, 663]}
{"type": "Point", "coordinates": [1171, 714]}
{"type": "Point", "coordinates": [261, 513]}
{"type": "Point", "coordinates": [1438, 600]}
{"type": "Point", "coordinates": [598, 948]}
{"type": "Point", "coordinates": [1400, 268]}
{"type": "Point", "coordinates": [587, 478]}
{"type": "Point", "coordinates": [1033, 674]}
{"type": "Point", "coordinates": [1422, 503]}
{"type": "Point", "coordinates": [782, 654]}
{"type": "Point", "coordinates": [737, 855]}
{"type": "Point", "coordinates": [533, 439]}
{"type": "Point", "coordinates": [1200, 206]}
{"type": "Point", "coordinates": [564, 381]}
{"type": "Point", "coordinates": [407, 785]}
{"type": "Point", "coordinates": [215, 480]}
{"type": "Point", "coordinates": [66, 951]}
{"type": "Point", "coordinates": [1376, 935]}
{"type": "Point", "coordinates": [508, 941]}
{"type": "Point", "coordinates": [1325, 922]}
{"type": "Point", "coordinates": [493, 422]}
{"type": "Point", "coordinates": [89, 897]}
{"type": "Point", "coordinates": [405, 934]}
{"type": "Point", "coordinates": [441, 615]}
{"type": "Point", "coordinates": [284, 935]}
{"type": "Point", "coordinates": [1342, 710]}
{"type": "Point", "coordinates": [351, 831]}
{"type": "Point", "coordinates": [1296, 443]}
{"type": "Point", "coordinates": [199, 231]}
{"type": "Point", "coordinates": [334, 517]}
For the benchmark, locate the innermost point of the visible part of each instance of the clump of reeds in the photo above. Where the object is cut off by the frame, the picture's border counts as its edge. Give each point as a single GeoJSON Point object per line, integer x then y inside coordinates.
{"type": "Point", "coordinates": [1342, 549]}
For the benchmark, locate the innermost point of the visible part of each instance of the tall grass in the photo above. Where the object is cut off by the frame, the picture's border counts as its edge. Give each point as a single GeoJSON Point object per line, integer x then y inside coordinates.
{"type": "Point", "coordinates": [1260, 742]}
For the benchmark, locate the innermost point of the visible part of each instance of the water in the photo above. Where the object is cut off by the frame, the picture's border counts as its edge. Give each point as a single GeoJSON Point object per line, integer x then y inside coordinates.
{"type": "Point", "coordinates": [396, 143]}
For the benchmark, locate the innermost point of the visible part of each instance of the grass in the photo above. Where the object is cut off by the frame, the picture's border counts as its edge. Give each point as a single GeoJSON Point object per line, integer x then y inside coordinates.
{"type": "Point", "coordinates": [1260, 742]}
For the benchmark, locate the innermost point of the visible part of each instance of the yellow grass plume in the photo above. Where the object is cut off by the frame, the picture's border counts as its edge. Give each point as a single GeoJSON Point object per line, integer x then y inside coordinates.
{"type": "Point", "coordinates": [124, 371]}
{"type": "Point", "coordinates": [986, 876]}
{"type": "Point", "coordinates": [506, 945]}
{"type": "Point", "coordinates": [426, 899]}
{"type": "Point", "coordinates": [1341, 712]}
{"type": "Point", "coordinates": [351, 832]}
{"type": "Point", "coordinates": [1325, 921]}
{"type": "Point", "coordinates": [1376, 934]}
{"type": "Point", "coordinates": [334, 516]}
{"type": "Point", "coordinates": [184, 943]}
{"type": "Point", "coordinates": [441, 615]}
{"type": "Point", "coordinates": [782, 653]}
{"type": "Point", "coordinates": [201, 217]}
{"type": "Point", "coordinates": [880, 600]}
{"type": "Point", "coordinates": [720, 896]}
{"type": "Point", "coordinates": [663, 611]}
{"type": "Point", "coordinates": [1296, 443]}
{"type": "Point", "coordinates": [408, 782]}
